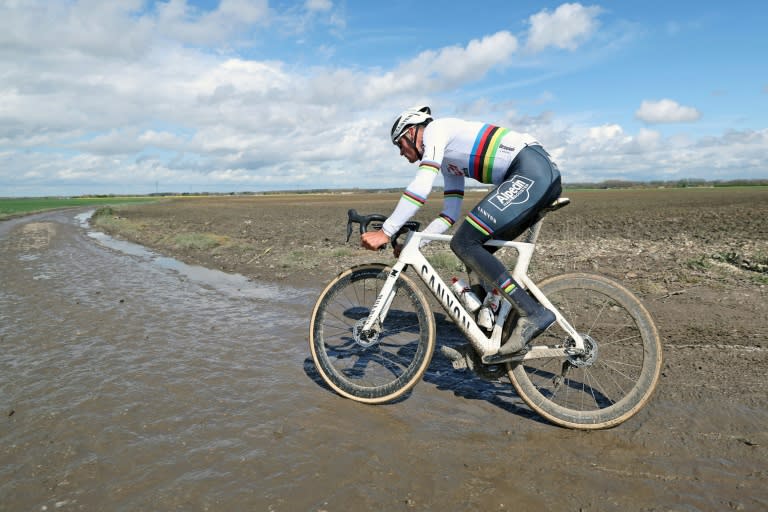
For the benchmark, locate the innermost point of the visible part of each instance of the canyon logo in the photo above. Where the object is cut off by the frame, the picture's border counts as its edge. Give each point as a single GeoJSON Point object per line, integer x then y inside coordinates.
{"type": "Point", "coordinates": [514, 191]}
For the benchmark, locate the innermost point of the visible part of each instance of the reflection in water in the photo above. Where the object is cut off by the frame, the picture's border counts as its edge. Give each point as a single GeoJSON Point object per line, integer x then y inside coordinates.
{"type": "Point", "coordinates": [231, 284]}
{"type": "Point", "coordinates": [135, 379]}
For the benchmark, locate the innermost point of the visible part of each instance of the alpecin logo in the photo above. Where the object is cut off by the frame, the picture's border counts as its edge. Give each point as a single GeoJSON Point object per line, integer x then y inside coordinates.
{"type": "Point", "coordinates": [514, 191]}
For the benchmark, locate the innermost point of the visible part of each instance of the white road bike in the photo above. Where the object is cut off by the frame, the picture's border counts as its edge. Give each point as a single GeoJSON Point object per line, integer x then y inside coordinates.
{"type": "Point", "coordinates": [372, 336]}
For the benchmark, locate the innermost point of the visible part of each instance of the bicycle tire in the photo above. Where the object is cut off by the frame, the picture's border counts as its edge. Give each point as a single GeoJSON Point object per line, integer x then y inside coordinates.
{"type": "Point", "coordinates": [608, 386]}
{"type": "Point", "coordinates": [391, 365]}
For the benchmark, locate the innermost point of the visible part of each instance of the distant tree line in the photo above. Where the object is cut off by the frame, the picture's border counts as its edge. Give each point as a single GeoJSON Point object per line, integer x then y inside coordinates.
{"type": "Point", "coordinates": [682, 183]}
{"type": "Point", "coordinates": [607, 184]}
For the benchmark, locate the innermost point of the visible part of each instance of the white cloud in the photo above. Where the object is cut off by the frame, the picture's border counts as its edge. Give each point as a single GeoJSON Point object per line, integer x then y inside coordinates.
{"type": "Point", "coordinates": [91, 28]}
{"type": "Point", "coordinates": [593, 154]}
{"type": "Point", "coordinates": [648, 139]}
{"type": "Point", "coordinates": [605, 132]}
{"type": "Point", "coordinates": [134, 100]}
{"type": "Point", "coordinates": [436, 70]}
{"type": "Point", "coordinates": [666, 111]}
{"type": "Point", "coordinates": [479, 56]}
{"type": "Point", "coordinates": [182, 22]}
{"type": "Point", "coordinates": [299, 19]}
{"type": "Point", "coordinates": [566, 27]}
{"type": "Point", "coordinates": [318, 5]}
{"type": "Point", "coordinates": [120, 29]}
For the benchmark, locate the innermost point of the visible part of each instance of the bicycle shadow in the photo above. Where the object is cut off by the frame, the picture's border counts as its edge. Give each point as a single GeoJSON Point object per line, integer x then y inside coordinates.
{"type": "Point", "coordinates": [466, 384]}
{"type": "Point", "coordinates": [463, 383]}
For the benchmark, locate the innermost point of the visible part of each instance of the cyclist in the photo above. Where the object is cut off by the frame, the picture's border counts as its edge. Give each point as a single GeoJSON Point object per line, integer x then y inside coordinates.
{"type": "Point", "coordinates": [525, 180]}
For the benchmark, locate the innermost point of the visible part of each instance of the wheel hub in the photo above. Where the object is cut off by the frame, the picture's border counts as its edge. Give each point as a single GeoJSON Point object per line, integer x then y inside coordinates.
{"type": "Point", "coordinates": [588, 357]}
{"type": "Point", "coordinates": [364, 338]}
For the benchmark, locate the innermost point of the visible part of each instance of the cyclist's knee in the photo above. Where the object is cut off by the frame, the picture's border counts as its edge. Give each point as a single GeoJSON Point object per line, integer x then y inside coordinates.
{"type": "Point", "coordinates": [466, 242]}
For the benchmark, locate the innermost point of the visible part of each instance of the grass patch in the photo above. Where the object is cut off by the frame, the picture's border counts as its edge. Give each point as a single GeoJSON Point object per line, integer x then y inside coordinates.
{"type": "Point", "coordinates": [700, 263]}
{"type": "Point", "coordinates": [757, 263]}
{"type": "Point", "coordinates": [342, 252]}
{"type": "Point", "coordinates": [12, 207]}
{"type": "Point", "coordinates": [105, 219]}
{"type": "Point", "coordinates": [730, 257]}
{"type": "Point", "coordinates": [297, 256]}
{"type": "Point", "coordinates": [197, 241]}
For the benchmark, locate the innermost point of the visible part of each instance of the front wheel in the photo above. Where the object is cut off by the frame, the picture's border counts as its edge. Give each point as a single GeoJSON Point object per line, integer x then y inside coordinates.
{"type": "Point", "coordinates": [371, 367]}
{"type": "Point", "coordinates": [618, 373]}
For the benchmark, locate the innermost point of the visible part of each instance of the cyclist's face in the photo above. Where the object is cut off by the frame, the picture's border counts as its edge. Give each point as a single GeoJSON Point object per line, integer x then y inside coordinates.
{"type": "Point", "coordinates": [406, 148]}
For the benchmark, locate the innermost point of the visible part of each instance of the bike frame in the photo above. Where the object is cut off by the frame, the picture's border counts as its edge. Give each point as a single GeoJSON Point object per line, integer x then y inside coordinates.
{"type": "Point", "coordinates": [482, 343]}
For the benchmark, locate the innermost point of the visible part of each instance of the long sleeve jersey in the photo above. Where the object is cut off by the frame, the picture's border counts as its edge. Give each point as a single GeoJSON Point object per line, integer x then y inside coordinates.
{"type": "Point", "coordinates": [459, 150]}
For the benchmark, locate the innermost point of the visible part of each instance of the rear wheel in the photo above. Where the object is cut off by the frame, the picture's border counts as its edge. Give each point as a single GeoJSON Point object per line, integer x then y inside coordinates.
{"type": "Point", "coordinates": [371, 367]}
{"type": "Point", "coordinates": [618, 373]}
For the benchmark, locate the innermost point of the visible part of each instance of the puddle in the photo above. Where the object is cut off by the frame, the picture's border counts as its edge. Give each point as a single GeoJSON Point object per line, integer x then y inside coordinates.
{"type": "Point", "coordinates": [234, 285]}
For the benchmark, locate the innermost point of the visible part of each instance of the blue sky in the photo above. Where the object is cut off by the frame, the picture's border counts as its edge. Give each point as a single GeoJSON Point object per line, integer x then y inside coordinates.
{"type": "Point", "coordinates": [249, 95]}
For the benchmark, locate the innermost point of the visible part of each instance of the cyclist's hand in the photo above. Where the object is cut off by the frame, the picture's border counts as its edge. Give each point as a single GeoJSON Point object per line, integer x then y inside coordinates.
{"type": "Point", "coordinates": [372, 240]}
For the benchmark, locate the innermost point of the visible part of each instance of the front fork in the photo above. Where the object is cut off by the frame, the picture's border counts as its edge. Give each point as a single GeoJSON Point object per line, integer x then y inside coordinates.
{"type": "Point", "coordinates": [367, 331]}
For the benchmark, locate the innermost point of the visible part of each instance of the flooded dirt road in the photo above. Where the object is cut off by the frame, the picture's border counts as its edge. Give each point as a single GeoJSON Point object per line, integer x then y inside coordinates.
{"type": "Point", "coordinates": [129, 381]}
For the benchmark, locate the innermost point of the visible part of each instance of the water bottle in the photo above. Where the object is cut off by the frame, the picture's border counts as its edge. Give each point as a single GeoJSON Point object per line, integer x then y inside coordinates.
{"type": "Point", "coordinates": [465, 294]}
{"type": "Point", "coordinates": [487, 314]}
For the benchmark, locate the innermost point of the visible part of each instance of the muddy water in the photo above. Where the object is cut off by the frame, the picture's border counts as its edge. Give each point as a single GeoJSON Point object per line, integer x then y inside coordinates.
{"type": "Point", "coordinates": [130, 381]}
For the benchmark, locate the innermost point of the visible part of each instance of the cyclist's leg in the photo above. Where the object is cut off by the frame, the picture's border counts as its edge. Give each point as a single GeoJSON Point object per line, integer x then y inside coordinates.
{"type": "Point", "coordinates": [531, 183]}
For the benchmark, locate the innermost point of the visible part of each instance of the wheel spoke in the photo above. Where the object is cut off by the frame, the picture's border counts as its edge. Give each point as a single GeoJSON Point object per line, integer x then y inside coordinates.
{"type": "Point", "coordinates": [371, 366]}
{"type": "Point", "coordinates": [619, 369]}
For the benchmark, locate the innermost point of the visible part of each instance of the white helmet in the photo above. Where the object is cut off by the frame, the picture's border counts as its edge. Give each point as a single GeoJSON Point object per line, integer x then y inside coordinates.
{"type": "Point", "coordinates": [410, 117]}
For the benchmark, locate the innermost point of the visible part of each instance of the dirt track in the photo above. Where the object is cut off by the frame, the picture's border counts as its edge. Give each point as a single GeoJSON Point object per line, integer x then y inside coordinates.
{"type": "Point", "coordinates": [696, 257]}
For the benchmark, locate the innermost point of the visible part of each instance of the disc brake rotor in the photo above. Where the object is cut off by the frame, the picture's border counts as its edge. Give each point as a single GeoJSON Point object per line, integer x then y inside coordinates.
{"type": "Point", "coordinates": [589, 356]}
{"type": "Point", "coordinates": [365, 338]}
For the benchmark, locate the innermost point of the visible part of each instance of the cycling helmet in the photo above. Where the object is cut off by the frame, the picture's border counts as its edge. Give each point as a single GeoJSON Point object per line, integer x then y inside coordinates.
{"type": "Point", "coordinates": [412, 116]}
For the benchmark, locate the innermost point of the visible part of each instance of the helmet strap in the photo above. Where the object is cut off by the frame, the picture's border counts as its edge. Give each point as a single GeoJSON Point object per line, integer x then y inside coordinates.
{"type": "Point", "coordinates": [412, 143]}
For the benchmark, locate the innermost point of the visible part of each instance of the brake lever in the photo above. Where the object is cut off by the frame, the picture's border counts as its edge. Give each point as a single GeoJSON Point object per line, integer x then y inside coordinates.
{"type": "Point", "coordinates": [362, 220]}
{"type": "Point", "coordinates": [365, 220]}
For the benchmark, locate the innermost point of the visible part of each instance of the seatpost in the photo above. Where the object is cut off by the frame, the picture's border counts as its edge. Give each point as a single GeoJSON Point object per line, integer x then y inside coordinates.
{"type": "Point", "coordinates": [532, 233]}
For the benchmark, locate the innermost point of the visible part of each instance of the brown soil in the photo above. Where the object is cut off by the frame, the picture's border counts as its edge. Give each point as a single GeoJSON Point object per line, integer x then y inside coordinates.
{"type": "Point", "coordinates": [696, 257]}
{"type": "Point", "coordinates": [658, 237]}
